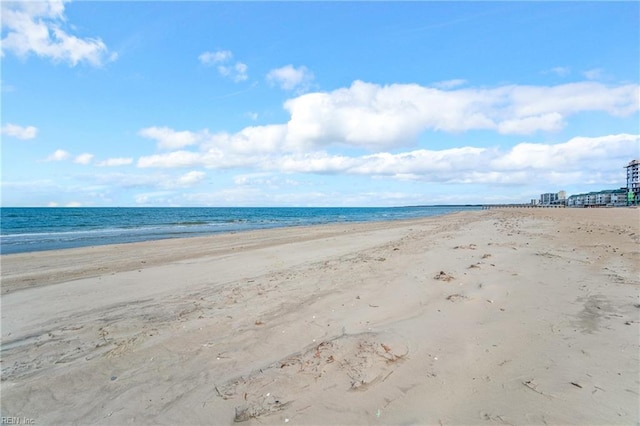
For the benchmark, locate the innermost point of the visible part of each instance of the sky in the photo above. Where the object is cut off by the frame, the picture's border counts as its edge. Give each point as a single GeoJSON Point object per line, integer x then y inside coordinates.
{"type": "Point", "coordinates": [156, 103]}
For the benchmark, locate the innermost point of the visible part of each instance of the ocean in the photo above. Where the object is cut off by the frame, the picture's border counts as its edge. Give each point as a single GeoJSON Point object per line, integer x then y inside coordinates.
{"type": "Point", "coordinates": [26, 229]}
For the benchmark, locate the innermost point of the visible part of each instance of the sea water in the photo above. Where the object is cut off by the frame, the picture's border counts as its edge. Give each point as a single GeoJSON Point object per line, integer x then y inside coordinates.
{"type": "Point", "coordinates": [26, 229]}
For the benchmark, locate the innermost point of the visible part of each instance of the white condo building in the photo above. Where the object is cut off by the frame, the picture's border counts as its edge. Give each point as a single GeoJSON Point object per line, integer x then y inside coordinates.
{"type": "Point", "coordinates": [633, 178]}
{"type": "Point", "coordinates": [553, 198]}
{"type": "Point", "coordinates": [629, 195]}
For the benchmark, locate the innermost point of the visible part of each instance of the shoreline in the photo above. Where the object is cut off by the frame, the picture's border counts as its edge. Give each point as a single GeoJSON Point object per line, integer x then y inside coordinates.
{"type": "Point", "coordinates": [134, 238]}
{"type": "Point", "coordinates": [510, 316]}
{"type": "Point", "coordinates": [40, 268]}
{"type": "Point", "coordinates": [107, 226]}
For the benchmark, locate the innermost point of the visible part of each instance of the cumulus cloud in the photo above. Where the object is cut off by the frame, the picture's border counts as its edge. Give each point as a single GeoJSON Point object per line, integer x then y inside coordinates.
{"type": "Point", "coordinates": [168, 138]}
{"type": "Point", "coordinates": [251, 140]}
{"type": "Point", "coordinates": [83, 158]}
{"type": "Point", "coordinates": [550, 122]}
{"type": "Point", "coordinates": [238, 72]}
{"type": "Point", "coordinates": [289, 77]}
{"type": "Point", "coordinates": [571, 161]}
{"type": "Point", "coordinates": [222, 60]}
{"type": "Point", "coordinates": [122, 180]}
{"type": "Point", "coordinates": [385, 119]}
{"type": "Point", "coordinates": [521, 165]}
{"type": "Point", "coordinates": [19, 132]}
{"type": "Point", "coordinates": [190, 178]}
{"type": "Point", "coordinates": [377, 118]}
{"type": "Point", "coordinates": [37, 28]}
{"type": "Point", "coordinates": [58, 155]}
{"type": "Point", "coordinates": [172, 159]}
{"type": "Point", "coordinates": [114, 162]}
{"type": "Point", "coordinates": [260, 179]}
{"type": "Point", "coordinates": [223, 150]}
{"type": "Point", "coordinates": [210, 158]}
{"type": "Point", "coordinates": [577, 154]}
{"type": "Point", "coordinates": [413, 164]}
{"type": "Point", "coordinates": [217, 57]}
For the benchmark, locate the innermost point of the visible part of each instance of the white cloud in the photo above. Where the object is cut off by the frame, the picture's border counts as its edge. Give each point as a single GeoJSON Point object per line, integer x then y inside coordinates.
{"type": "Point", "coordinates": [68, 204]}
{"type": "Point", "coordinates": [170, 139]}
{"type": "Point", "coordinates": [223, 150]}
{"type": "Point", "coordinates": [36, 28]}
{"type": "Point", "coordinates": [251, 140]}
{"type": "Point", "coordinates": [191, 178]}
{"type": "Point", "coordinates": [524, 126]}
{"type": "Point", "coordinates": [123, 180]}
{"type": "Point", "coordinates": [379, 118]}
{"type": "Point", "coordinates": [413, 164]}
{"type": "Point", "coordinates": [161, 198]}
{"type": "Point", "coordinates": [289, 77]}
{"type": "Point", "coordinates": [576, 159]}
{"type": "Point", "coordinates": [19, 132]}
{"type": "Point", "coordinates": [568, 99]}
{"type": "Point", "coordinates": [386, 118]}
{"type": "Point", "coordinates": [375, 117]}
{"type": "Point", "coordinates": [577, 154]}
{"type": "Point", "coordinates": [217, 57]}
{"type": "Point", "coordinates": [58, 155]}
{"type": "Point", "coordinates": [240, 71]}
{"type": "Point", "coordinates": [173, 159]}
{"type": "Point", "coordinates": [126, 181]}
{"type": "Point", "coordinates": [237, 72]}
{"type": "Point", "coordinates": [222, 59]}
{"type": "Point", "coordinates": [268, 180]}
{"type": "Point", "coordinates": [210, 158]}
{"type": "Point", "coordinates": [114, 162]}
{"type": "Point", "coordinates": [83, 158]}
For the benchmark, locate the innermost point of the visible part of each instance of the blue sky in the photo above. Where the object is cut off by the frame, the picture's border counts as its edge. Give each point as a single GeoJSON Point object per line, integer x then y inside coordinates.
{"type": "Point", "coordinates": [315, 103]}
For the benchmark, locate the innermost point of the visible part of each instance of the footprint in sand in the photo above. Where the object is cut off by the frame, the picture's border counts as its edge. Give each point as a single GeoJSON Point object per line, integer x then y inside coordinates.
{"type": "Point", "coordinates": [354, 362]}
{"type": "Point", "coordinates": [456, 297]}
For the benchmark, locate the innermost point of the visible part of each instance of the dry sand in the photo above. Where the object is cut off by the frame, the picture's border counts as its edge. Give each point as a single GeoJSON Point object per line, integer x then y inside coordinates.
{"type": "Point", "coordinates": [514, 316]}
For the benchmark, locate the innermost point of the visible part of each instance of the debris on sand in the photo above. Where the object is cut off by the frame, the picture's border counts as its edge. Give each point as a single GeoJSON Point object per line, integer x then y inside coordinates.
{"type": "Point", "coordinates": [443, 276]}
{"type": "Point", "coordinates": [467, 247]}
{"type": "Point", "coordinates": [266, 405]}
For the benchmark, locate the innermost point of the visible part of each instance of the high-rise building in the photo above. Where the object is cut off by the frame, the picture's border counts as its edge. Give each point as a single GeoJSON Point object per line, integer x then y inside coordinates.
{"type": "Point", "coordinates": [633, 181]}
{"type": "Point", "coordinates": [553, 198]}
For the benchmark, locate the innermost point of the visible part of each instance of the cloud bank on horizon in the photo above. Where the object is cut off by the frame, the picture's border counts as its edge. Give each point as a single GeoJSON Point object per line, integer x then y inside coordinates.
{"type": "Point", "coordinates": [388, 105]}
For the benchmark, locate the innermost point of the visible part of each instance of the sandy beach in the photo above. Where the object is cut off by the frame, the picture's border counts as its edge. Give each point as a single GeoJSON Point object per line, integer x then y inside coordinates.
{"type": "Point", "coordinates": [506, 316]}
